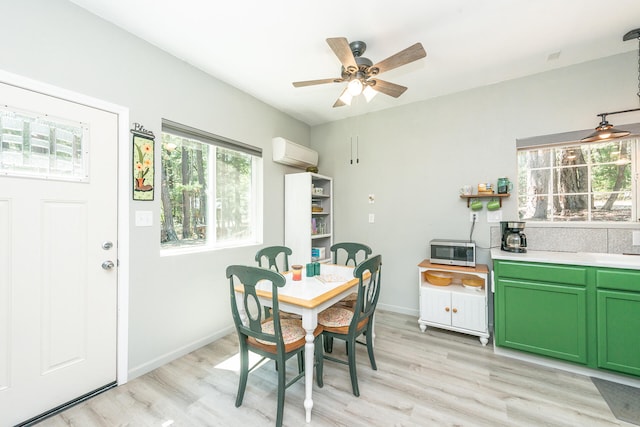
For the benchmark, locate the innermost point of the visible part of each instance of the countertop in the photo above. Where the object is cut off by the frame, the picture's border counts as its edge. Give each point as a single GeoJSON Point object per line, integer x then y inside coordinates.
{"type": "Point", "coordinates": [591, 259]}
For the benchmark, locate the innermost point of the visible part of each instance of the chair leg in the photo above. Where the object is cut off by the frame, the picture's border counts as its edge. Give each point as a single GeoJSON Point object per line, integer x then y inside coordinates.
{"type": "Point", "coordinates": [351, 349]}
{"type": "Point", "coordinates": [328, 344]}
{"type": "Point", "coordinates": [244, 373]}
{"type": "Point", "coordinates": [372, 358]}
{"type": "Point", "coordinates": [301, 362]}
{"type": "Point", "coordinates": [319, 361]}
{"type": "Point", "coordinates": [282, 384]}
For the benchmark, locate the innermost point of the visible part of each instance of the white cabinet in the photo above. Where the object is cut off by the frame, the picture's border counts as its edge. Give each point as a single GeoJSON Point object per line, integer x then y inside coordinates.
{"type": "Point", "coordinates": [460, 306]}
{"type": "Point", "coordinates": [308, 217]}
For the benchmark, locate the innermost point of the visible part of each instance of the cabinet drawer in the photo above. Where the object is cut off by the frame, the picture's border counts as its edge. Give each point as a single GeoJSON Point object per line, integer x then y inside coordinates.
{"type": "Point", "coordinates": [624, 280]}
{"type": "Point", "coordinates": [551, 273]}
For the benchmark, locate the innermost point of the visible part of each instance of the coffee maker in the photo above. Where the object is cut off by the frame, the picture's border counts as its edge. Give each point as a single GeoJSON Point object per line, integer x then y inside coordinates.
{"type": "Point", "coordinates": [513, 238]}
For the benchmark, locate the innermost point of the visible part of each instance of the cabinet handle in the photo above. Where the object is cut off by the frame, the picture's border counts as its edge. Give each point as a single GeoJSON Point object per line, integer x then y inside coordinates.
{"type": "Point", "coordinates": [447, 309]}
{"type": "Point", "coordinates": [455, 310]}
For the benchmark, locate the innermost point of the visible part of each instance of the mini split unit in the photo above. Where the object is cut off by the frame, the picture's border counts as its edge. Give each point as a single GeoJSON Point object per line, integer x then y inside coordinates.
{"type": "Point", "coordinates": [292, 154]}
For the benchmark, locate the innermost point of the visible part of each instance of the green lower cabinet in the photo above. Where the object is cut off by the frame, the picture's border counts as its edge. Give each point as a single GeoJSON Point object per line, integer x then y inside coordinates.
{"type": "Point", "coordinates": [619, 331]}
{"type": "Point", "coordinates": [542, 318]}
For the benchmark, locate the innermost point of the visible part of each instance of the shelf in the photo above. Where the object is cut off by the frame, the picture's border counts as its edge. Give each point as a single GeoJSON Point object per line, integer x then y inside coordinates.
{"type": "Point", "coordinates": [485, 196]}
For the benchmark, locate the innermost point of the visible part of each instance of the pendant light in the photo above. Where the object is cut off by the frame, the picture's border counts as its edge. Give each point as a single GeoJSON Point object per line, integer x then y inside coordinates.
{"type": "Point", "coordinates": [605, 130]}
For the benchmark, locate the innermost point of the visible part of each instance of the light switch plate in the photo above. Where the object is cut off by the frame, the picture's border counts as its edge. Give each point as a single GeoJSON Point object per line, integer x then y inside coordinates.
{"type": "Point", "coordinates": [144, 218]}
{"type": "Point", "coordinates": [372, 218]}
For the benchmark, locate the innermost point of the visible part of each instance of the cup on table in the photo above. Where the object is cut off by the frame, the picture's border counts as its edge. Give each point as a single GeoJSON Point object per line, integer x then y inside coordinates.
{"type": "Point", "coordinates": [297, 272]}
{"type": "Point", "coordinates": [311, 269]}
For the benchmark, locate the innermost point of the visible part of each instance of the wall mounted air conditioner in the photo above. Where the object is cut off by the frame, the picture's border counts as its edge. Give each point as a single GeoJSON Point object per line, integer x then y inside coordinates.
{"type": "Point", "coordinates": [292, 154]}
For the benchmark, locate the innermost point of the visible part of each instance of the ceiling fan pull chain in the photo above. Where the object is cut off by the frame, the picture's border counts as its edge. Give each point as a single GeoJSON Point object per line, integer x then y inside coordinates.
{"type": "Point", "coordinates": [357, 149]}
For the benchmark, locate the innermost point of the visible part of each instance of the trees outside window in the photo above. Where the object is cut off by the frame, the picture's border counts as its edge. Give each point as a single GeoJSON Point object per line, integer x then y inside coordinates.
{"type": "Point", "coordinates": [208, 191]}
{"type": "Point", "coordinates": [578, 182]}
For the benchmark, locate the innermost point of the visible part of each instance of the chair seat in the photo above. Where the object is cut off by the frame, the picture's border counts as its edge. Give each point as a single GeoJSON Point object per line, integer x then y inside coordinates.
{"type": "Point", "coordinates": [292, 331]}
{"type": "Point", "coordinates": [335, 317]}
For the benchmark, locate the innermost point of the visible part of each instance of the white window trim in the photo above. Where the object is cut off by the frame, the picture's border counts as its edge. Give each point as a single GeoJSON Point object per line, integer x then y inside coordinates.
{"type": "Point", "coordinates": [567, 138]}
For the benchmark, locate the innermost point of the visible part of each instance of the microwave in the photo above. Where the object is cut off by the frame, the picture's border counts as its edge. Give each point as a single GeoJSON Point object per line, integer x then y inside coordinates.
{"type": "Point", "coordinates": [453, 252]}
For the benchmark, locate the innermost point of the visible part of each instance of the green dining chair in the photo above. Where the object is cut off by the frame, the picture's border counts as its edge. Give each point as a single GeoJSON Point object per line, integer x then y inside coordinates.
{"type": "Point", "coordinates": [348, 324]}
{"type": "Point", "coordinates": [347, 253]}
{"type": "Point", "coordinates": [275, 338]}
{"type": "Point", "coordinates": [275, 258]}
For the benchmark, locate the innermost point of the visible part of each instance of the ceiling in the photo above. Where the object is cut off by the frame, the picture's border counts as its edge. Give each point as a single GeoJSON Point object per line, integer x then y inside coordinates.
{"type": "Point", "coordinates": [262, 46]}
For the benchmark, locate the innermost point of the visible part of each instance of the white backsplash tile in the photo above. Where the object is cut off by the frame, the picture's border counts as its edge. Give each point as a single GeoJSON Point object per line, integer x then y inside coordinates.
{"type": "Point", "coordinates": [572, 239]}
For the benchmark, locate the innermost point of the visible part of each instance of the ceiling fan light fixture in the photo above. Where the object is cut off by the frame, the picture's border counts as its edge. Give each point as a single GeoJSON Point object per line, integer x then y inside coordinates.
{"type": "Point", "coordinates": [369, 93]}
{"type": "Point", "coordinates": [355, 87]}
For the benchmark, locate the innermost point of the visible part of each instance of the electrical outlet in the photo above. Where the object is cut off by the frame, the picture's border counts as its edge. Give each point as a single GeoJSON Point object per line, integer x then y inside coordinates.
{"type": "Point", "coordinates": [473, 216]}
{"type": "Point", "coordinates": [635, 238]}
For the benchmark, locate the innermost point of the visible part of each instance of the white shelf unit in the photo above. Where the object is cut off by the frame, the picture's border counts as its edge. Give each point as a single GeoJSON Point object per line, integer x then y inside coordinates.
{"type": "Point", "coordinates": [455, 307]}
{"type": "Point", "coordinates": [299, 217]}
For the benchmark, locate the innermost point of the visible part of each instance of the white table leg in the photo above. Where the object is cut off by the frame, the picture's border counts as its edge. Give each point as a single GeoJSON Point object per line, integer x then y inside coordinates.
{"type": "Point", "coordinates": [309, 323]}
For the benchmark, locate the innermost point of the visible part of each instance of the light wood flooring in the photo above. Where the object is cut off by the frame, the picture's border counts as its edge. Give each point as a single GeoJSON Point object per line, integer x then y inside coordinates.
{"type": "Point", "coordinates": [436, 378]}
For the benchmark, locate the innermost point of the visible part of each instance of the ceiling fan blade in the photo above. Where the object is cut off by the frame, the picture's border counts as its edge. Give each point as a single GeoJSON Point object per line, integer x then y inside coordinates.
{"type": "Point", "coordinates": [388, 88]}
{"type": "Point", "coordinates": [339, 102]}
{"type": "Point", "coordinates": [316, 82]}
{"type": "Point", "coordinates": [410, 54]}
{"type": "Point", "coordinates": [340, 46]}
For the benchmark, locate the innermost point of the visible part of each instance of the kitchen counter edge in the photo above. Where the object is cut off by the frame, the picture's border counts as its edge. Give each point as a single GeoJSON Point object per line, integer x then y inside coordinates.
{"type": "Point", "coordinates": [591, 259]}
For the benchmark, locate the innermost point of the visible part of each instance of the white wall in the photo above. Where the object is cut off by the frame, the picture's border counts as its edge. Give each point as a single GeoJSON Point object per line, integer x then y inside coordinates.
{"type": "Point", "coordinates": [176, 303]}
{"type": "Point", "coordinates": [415, 158]}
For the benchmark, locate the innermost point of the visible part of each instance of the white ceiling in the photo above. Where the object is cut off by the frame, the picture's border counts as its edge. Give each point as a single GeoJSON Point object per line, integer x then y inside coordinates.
{"type": "Point", "coordinates": [262, 46]}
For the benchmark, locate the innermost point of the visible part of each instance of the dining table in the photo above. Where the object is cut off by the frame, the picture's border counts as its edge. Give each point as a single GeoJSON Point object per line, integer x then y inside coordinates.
{"type": "Point", "coordinates": [308, 297]}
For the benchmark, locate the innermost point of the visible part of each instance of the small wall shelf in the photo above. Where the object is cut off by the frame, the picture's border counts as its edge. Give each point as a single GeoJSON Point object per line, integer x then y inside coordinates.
{"type": "Point", "coordinates": [484, 196]}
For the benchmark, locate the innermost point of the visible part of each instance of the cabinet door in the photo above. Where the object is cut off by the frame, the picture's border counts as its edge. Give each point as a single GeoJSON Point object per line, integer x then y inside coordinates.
{"type": "Point", "coordinates": [436, 306]}
{"type": "Point", "coordinates": [469, 312]}
{"type": "Point", "coordinates": [619, 331]}
{"type": "Point", "coordinates": [542, 318]}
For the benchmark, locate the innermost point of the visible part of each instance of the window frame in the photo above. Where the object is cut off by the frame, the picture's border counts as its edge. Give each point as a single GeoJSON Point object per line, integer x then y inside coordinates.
{"type": "Point", "coordinates": [572, 139]}
{"type": "Point", "coordinates": [215, 142]}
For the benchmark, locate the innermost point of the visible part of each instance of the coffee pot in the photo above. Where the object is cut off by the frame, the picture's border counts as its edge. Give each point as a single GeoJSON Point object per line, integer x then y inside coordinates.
{"type": "Point", "coordinates": [513, 238]}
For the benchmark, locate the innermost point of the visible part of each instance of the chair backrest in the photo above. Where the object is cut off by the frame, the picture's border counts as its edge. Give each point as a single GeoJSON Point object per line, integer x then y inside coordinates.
{"type": "Point", "coordinates": [246, 279]}
{"type": "Point", "coordinates": [270, 255]}
{"type": "Point", "coordinates": [368, 290]}
{"type": "Point", "coordinates": [352, 250]}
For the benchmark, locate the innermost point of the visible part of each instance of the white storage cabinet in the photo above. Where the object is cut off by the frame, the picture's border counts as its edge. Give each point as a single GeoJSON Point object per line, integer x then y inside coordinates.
{"type": "Point", "coordinates": [455, 307]}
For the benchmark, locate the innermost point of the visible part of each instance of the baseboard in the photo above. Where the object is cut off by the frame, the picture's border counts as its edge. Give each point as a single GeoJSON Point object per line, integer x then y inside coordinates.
{"type": "Point", "coordinates": [177, 353]}
{"type": "Point", "coordinates": [569, 367]}
{"type": "Point", "coordinates": [399, 310]}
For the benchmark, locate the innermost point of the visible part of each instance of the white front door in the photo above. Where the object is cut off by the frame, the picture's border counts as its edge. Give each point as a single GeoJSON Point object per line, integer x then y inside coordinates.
{"type": "Point", "coordinates": [58, 303]}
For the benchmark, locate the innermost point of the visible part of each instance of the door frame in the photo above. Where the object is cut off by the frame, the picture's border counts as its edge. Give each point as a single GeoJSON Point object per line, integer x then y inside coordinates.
{"type": "Point", "coordinates": [122, 359]}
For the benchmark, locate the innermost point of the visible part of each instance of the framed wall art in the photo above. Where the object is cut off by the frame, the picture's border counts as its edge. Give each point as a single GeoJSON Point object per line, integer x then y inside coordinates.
{"type": "Point", "coordinates": [143, 170]}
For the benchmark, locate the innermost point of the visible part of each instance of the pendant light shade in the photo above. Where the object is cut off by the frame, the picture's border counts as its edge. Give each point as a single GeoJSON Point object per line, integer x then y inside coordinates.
{"type": "Point", "coordinates": [605, 131]}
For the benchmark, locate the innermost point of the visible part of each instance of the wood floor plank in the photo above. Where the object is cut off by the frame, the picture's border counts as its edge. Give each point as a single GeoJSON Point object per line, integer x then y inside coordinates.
{"type": "Point", "coordinates": [435, 378]}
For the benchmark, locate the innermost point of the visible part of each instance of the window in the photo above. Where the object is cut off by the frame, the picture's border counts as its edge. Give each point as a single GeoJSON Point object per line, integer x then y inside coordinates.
{"type": "Point", "coordinates": [210, 195]}
{"type": "Point", "coordinates": [37, 145]}
{"type": "Point", "coordinates": [579, 182]}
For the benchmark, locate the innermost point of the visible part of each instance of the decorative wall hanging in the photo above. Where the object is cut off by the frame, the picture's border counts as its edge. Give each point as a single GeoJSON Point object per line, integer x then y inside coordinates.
{"type": "Point", "coordinates": [143, 155]}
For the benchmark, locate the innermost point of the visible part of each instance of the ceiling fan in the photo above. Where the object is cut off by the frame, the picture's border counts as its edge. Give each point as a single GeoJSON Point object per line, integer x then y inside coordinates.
{"type": "Point", "coordinates": [360, 72]}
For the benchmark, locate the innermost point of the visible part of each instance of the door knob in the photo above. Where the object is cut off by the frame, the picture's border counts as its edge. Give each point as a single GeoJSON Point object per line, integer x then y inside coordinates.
{"type": "Point", "coordinates": [108, 265]}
